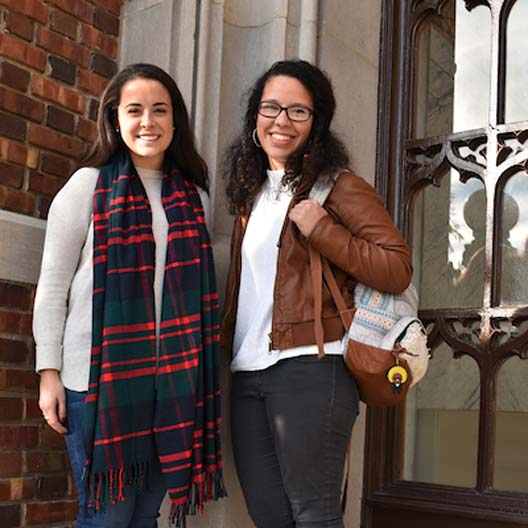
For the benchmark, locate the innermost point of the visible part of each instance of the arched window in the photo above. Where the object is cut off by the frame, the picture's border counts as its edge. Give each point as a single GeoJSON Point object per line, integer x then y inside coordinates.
{"type": "Point", "coordinates": [452, 163]}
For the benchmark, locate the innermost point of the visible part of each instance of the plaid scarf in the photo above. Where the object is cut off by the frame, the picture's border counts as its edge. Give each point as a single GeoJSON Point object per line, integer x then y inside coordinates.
{"type": "Point", "coordinates": [142, 404]}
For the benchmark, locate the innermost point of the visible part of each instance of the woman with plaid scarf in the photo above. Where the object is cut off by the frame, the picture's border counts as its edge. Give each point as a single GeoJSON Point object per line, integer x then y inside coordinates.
{"type": "Point", "coordinates": [126, 313]}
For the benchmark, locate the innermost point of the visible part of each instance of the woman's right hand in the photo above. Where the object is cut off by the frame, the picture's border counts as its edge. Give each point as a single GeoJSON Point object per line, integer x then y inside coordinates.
{"type": "Point", "coordinates": [52, 400]}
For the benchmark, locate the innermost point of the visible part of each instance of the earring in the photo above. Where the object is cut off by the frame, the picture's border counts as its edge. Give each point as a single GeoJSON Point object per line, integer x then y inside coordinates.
{"type": "Point", "coordinates": [117, 130]}
{"type": "Point", "coordinates": [255, 138]}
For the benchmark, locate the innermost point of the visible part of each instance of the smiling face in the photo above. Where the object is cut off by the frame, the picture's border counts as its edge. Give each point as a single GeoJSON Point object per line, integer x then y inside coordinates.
{"type": "Point", "coordinates": [279, 136]}
{"type": "Point", "coordinates": [145, 120]}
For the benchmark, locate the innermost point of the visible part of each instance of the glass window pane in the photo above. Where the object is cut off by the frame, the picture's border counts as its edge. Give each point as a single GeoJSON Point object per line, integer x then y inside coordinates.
{"type": "Point", "coordinates": [453, 69]}
{"type": "Point", "coordinates": [511, 462]}
{"type": "Point", "coordinates": [514, 241]}
{"type": "Point", "coordinates": [448, 243]}
{"type": "Point", "coordinates": [516, 70]}
{"type": "Point", "coordinates": [442, 411]}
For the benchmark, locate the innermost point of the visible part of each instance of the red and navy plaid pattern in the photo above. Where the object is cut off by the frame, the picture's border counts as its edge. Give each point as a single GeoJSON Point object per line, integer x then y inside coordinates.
{"type": "Point", "coordinates": [141, 403]}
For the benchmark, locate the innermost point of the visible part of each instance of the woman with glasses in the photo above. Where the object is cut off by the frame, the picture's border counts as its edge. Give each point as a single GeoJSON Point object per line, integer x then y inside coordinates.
{"type": "Point", "coordinates": [292, 413]}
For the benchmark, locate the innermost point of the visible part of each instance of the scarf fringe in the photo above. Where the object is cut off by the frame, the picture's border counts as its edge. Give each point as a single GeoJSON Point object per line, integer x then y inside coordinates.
{"type": "Point", "coordinates": [211, 488]}
{"type": "Point", "coordinates": [109, 486]}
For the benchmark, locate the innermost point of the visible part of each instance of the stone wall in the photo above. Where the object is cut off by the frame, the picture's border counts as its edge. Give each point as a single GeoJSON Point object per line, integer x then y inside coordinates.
{"type": "Point", "coordinates": [215, 50]}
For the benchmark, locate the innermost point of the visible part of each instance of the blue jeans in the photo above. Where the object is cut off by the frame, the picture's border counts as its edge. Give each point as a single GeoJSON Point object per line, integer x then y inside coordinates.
{"type": "Point", "coordinates": [136, 511]}
{"type": "Point", "coordinates": [291, 425]}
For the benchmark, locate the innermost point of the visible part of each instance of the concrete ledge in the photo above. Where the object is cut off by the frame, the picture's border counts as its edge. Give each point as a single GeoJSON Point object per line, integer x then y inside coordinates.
{"type": "Point", "coordinates": [21, 242]}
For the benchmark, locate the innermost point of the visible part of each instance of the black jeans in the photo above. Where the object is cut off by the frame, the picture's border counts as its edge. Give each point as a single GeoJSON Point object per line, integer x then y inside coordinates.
{"type": "Point", "coordinates": [291, 424]}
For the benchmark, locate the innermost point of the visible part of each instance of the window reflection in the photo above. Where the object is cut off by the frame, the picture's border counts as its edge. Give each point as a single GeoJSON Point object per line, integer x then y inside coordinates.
{"type": "Point", "coordinates": [444, 406]}
{"type": "Point", "coordinates": [514, 241]}
{"type": "Point", "coordinates": [511, 463]}
{"type": "Point", "coordinates": [449, 227]}
{"type": "Point", "coordinates": [516, 71]}
{"type": "Point", "coordinates": [453, 70]}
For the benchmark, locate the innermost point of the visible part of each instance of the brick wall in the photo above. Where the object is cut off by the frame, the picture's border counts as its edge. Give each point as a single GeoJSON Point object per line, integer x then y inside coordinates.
{"type": "Point", "coordinates": [56, 56]}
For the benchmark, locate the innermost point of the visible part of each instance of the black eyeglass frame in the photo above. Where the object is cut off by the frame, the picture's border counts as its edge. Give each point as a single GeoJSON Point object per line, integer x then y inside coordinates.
{"type": "Point", "coordinates": [285, 109]}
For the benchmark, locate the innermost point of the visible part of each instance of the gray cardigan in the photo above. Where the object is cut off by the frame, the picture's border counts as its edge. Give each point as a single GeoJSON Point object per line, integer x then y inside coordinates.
{"type": "Point", "coordinates": [62, 318]}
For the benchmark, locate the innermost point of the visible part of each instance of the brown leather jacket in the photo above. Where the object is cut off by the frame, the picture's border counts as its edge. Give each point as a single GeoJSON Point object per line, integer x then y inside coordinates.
{"type": "Point", "coordinates": [359, 240]}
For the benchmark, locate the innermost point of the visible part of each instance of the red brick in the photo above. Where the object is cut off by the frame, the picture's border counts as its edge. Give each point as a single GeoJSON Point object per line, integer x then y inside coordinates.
{"type": "Point", "coordinates": [92, 83]}
{"type": "Point", "coordinates": [93, 109]}
{"type": "Point", "coordinates": [35, 9]}
{"type": "Point", "coordinates": [52, 487]}
{"type": "Point", "coordinates": [106, 22]}
{"type": "Point", "coordinates": [16, 489]}
{"type": "Point", "coordinates": [72, 488]}
{"type": "Point", "coordinates": [17, 103]}
{"type": "Point", "coordinates": [19, 436]}
{"type": "Point", "coordinates": [65, 24]}
{"type": "Point", "coordinates": [17, 379]}
{"type": "Point", "coordinates": [79, 9]}
{"type": "Point", "coordinates": [50, 439]}
{"type": "Point", "coordinates": [11, 175]}
{"type": "Point", "coordinates": [13, 350]}
{"type": "Point", "coordinates": [14, 322]}
{"type": "Point", "coordinates": [12, 127]}
{"type": "Point", "coordinates": [10, 515]}
{"type": "Point", "coordinates": [63, 47]}
{"type": "Point", "coordinates": [98, 41]}
{"type": "Point", "coordinates": [55, 141]}
{"type": "Point", "coordinates": [13, 76]}
{"type": "Point", "coordinates": [103, 65]}
{"type": "Point", "coordinates": [11, 409]}
{"type": "Point", "coordinates": [86, 129]}
{"type": "Point", "coordinates": [16, 201]}
{"type": "Point", "coordinates": [18, 50]}
{"type": "Point", "coordinates": [31, 409]}
{"type": "Point", "coordinates": [57, 165]}
{"type": "Point", "coordinates": [62, 70]}
{"type": "Point", "coordinates": [60, 120]}
{"type": "Point", "coordinates": [111, 5]}
{"type": "Point", "coordinates": [46, 461]}
{"type": "Point", "coordinates": [18, 154]}
{"type": "Point", "coordinates": [51, 512]}
{"type": "Point", "coordinates": [20, 25]}
{"type": "Point", "coordinates": [45, 184]}
{"type": "Point", "coordinates": [10, 464]}
{"type": "Point", "coordinates": [31, 349]}
{"type": "Point", "coordinates": [15, 296]}
{"type": "Point", "coordinates": [53, 91]}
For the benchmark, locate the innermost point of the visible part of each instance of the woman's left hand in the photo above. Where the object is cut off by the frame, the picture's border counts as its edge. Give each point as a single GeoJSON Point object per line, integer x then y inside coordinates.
{"type": "Point", "coordinates": [306, 214]}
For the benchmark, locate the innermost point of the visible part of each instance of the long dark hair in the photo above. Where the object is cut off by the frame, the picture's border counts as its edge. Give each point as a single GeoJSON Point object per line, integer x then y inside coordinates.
{"type": "Point", "coordinates": [245, 164]}
{"type": "Point", "coordinates": [181, 149]}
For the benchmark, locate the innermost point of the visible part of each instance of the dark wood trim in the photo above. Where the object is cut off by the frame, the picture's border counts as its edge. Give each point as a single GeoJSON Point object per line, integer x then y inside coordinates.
{"type": "Point", "coordinates": [381, 423]}
{"type": "Point", "coordinates": [388, 500]}
{"type": "Point", "coordinates": [503, 29]}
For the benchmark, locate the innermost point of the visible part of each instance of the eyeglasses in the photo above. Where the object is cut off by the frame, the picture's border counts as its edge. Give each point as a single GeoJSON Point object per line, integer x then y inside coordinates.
{"type": "Point", "coordinates": [294, 112]}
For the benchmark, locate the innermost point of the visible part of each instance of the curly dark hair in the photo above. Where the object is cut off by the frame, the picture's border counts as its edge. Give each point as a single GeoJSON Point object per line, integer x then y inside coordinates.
{"type": "Point", "coordinates": [245, 164]}
{"type": "Point", "coordinates": [182, 148]}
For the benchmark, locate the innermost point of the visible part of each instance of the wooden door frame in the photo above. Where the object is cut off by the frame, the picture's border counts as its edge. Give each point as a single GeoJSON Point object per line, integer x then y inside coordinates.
{"type": "Point", "coordinates": [387, 500]}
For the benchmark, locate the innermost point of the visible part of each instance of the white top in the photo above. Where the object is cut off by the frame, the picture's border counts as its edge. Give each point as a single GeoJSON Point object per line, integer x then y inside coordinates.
{"type": "Point", "coordinates": [257, 280]}
{"type": "Point", "coordinates": [62, 317]}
